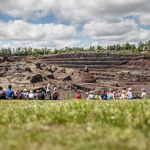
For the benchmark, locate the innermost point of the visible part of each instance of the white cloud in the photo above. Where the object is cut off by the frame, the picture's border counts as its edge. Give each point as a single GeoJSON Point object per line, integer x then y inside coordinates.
{"type": "Point", "coordinates": [25, 9]}
{"type": "Point", "coordinates": [145, 19]}
{"type": "Point", "coordinates": [101, 20]}
{"type": "Point", "coordinates": [124, 31]}
{"type": "Point", "coordinates": [75, 10]}
{"type": "Point", "coordinates": [99, 29]}
{"type": "Point", "coordinates": [39, 44]}
{"type": "Point", "coordinates": [19, 31]}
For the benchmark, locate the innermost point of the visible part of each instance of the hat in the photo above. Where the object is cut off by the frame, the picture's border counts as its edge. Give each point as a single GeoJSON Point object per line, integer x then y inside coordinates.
{"type": "Point", "coordinates": [25, 90]}
{"type": "Point", "coordinates": [143, 89]}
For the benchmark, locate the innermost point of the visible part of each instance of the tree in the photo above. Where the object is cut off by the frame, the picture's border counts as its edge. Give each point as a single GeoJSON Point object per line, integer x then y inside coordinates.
{"type": "Point", "coordinates": [127, 46]}
{"type": "Point", "coordinates": [100, 47]}
{"type": "Point", "coordinates": [140, 46]}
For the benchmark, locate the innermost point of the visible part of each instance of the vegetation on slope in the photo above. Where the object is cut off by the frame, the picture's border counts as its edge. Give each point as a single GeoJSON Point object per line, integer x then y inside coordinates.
{"type": "Point", "coordinates": [126, 48]}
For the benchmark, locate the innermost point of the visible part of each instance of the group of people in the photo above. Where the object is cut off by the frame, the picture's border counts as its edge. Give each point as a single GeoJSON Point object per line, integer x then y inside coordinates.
{"type": "Point", "coordinates": [52, 94]}
{"type": "Point", "coordinates": [113, 95]}
{"type": "Point", "coordinates": [24, 94]}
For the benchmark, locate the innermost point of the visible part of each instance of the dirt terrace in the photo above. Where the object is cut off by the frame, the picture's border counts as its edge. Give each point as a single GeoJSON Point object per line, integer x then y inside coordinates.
{"type": "Point", "coordinates": [71, 71]}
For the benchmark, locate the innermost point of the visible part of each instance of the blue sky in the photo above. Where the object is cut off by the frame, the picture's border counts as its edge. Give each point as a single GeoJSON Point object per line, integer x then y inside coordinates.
{"type": "Point", "coordinates": [57, 24]}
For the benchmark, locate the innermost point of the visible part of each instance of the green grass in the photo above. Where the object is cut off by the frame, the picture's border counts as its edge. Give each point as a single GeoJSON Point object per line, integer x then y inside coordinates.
{"type": "Point", "coordinates": [69, 125]}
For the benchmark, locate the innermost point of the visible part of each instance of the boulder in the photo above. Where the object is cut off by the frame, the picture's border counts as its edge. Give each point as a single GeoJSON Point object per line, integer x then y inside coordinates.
{"type": "Point", "coordinates": [1, 59]}
{"type": "Point", "coordinates": [123, 72]}
{"type": "Point", "coordinates": [36, 78]}
{"type": "Point", "coordinates": [61, 70]}
{"type": "Point", "coordinates": [49, 69]}
{"type": "Point", "coordinates": [38, 65]}
{"type": "Point", "coordinates": [83, 77]}
{"type": "Point", "coordinates": [79, 87]}
{"type": "Point", "coordinates": [28, 69]}
{"type": "Point", "coordinates": [54, 68]}
{"type": "Point", "coordinates": [50, 76]}
{"type": "Point", "coordinates": [67, 78]}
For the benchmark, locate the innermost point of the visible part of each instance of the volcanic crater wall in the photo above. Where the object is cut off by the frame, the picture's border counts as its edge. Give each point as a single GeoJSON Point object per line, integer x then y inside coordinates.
{"type": "Point", "coordinates": [87, 71]}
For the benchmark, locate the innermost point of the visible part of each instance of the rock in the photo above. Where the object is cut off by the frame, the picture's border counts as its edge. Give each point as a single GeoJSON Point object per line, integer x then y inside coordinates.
{"type": "Point", "coordinates": [124, 72]}
{"type": "Point", "coordinates": [2, 73]}
{"type": "Point", "coordinates": [50, 76]}
{"type": "Point", "coordinates": [43, 66]}
{"type": "Point", "coordinates": [79, 87]}
{"type": "Point", "coordinates": [54, 68]}
{"type": "Point", "coordinates": [36, 78]}
{"type": "Point", "coordinates": [17, 69]}
{"type": "Point", "coordinates": [1, 59]}
{"type": "Point", "coordinates": [5, 58]}
{"type": "Point", "coordinates": [6, 69]}
{"type": "Point", "coordinates": [28, 78]}
{"type": "Point", "coordinates": [49, 69]}
{"type": "Point", "coordinates": [86, 69]}
{"type": "Point", "coordinates": [28, 69]}
{"type": "Point", "coordinates": [83, 77]}
{"type": "Point", "coordinates": [67, 78]}
{"type": "Point", "coordinates": [38, 65]}
{"type": "Point", "coordinates": [44, 77]}
{"type": "Point", "coordinates": [115, 85]}
{"type": "Point", "coordinates": [61, 70]}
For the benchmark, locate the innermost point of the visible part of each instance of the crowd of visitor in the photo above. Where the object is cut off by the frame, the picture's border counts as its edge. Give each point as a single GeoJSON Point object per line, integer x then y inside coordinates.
{"type": "Point", "coordinates": [25, 94]}
{"type": "Point", "coordinates": [116, 95]}
{"type": "Point", "coordinates": [53, 94]}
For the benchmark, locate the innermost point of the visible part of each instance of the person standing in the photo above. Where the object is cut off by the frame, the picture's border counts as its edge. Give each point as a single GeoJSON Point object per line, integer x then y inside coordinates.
{"type": "Point", "coordinates": [48, 88]}
{"type": "Point", "coordinates": [143, 94]}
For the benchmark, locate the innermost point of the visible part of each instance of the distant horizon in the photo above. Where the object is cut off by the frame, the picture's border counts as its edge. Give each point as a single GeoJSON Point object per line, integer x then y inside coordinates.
{"type": "Point", "coordinates": [71, 47]}
{"type": "Point", "coordinates": [73, 23]}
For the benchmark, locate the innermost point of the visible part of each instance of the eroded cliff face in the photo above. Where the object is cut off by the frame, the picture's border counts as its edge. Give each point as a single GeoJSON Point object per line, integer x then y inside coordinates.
{"type": "Point", "coordinates": [71, 71]}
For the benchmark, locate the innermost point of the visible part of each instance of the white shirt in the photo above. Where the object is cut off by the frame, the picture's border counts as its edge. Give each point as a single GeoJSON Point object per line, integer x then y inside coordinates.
{"type": "Point", "coordinates": [91, 96]}
{"type": "Point", "coordinates": [31, 96]}
{"type": "Point", "coordinates": [48, 87]}
{"type": "Point", "coordinates": [143, 95]}
{"type": "Point", "coordinates": [129, 95]}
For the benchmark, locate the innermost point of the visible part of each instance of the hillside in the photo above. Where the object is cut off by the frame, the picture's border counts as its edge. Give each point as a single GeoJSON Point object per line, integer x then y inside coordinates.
{"type": "Point", "coordinates": [71, 71]}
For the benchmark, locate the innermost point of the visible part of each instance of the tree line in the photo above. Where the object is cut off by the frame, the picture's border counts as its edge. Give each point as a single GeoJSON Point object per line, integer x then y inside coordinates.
{"type": "Point", "coordinates": [29, 51]}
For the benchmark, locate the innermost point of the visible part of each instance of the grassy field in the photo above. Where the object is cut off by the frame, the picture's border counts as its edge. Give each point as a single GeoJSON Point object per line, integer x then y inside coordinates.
{"type": "Point", "coordinates": [69, 125]}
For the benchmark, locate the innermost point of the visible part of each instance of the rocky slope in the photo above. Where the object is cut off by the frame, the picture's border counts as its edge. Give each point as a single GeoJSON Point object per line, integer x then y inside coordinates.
{"type": "Point", "coordinates": [71, 71]}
